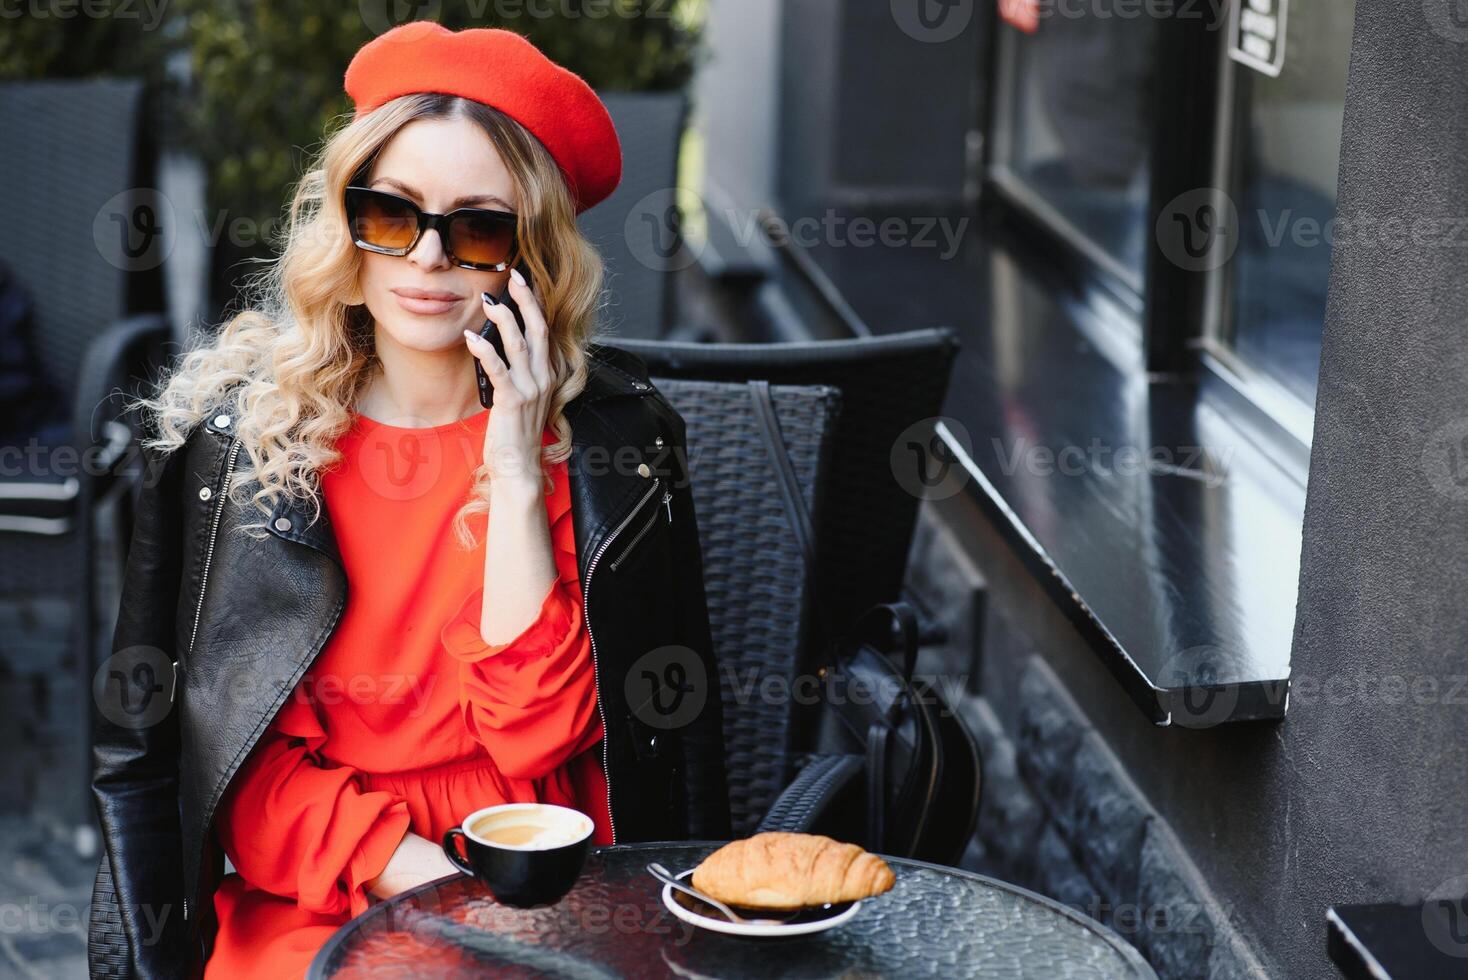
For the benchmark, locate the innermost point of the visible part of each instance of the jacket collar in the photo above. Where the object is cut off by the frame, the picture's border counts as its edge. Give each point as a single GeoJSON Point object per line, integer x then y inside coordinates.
{"type": "Point", "coordinates": [613, 373]}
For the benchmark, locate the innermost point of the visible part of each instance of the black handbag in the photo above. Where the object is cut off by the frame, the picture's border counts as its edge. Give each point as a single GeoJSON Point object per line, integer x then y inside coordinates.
{"type": "Point", "coordinates": [918, 764]}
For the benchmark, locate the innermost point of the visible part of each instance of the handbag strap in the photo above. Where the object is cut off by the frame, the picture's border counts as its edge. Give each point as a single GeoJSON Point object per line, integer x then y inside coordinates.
{"type": "Point", "coordinates": [877, 736]}
{"type": "Point", "coordinates": [791, 497]}
{"type": "Point", "coordinates": [899, 614]}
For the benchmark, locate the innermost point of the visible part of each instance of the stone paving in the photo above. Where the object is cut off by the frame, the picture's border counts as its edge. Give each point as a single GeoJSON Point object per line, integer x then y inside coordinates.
{"type": "Point", "coordinates": [45, 893]}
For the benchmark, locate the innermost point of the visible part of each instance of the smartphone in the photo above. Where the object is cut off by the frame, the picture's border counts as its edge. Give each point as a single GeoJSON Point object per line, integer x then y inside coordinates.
{"type": "Point", "coordinates": [491, 332]}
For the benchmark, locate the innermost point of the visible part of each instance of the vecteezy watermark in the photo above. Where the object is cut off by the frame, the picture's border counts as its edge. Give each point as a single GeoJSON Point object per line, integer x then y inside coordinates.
{"type": "Point", "coordinates": [588, 911]}
{"type": "Point", "coordinates": [33, 916]}
{"type": "Point", "coordinates": [1193, 686]}
{"type": "Point", "coordinates": [1198, 463]}
{"type": "Point", "coordinates": [407, 467]}
{"type": "Point", "coordinates": [1444, 460]}
{"type": "Point", "coordinates": [134, 688]}
{"type": "Point", "coordinates": [835, 230]}
{"type": "Point", "coordinates": [1445, 916]}
{"type": "Point", "coordinates": [135, 229]}
{"type": "Point", "coordinates": [926, 464]}
{"type": "Point", "coordinates": [381, 16]}
{"type": "Point", "coordinates": [329, 688]}
{"type": "Point", "coordinates": [1203, 228]}
{"type": "Point", "coordinates": [932, 21]}
{"type": "Point", "coordinates": [1135, 918]}
{"type": "Point", "coordinates": [1287, 227]}
{"type": "Point", "coordinates": [654, 229]}
{"type": "Point", "coordinates": [149, 12]}
{"type": "Point", "coordinates": [667, 688]}
{"type": "Point", "coordinates": [38, 460]}
{"type": "Point", "coordinates": [751, 685]}
{"type": "Point", "coordinates": [1448, 19]}
{"type": "Point", "coordinates": [1339, 690]}
{"type": "Point", "coordinates": [1199, 229]}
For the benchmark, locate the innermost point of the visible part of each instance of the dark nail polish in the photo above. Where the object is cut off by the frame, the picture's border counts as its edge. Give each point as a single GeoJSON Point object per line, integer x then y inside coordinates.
{"type": "Point", "coordinates": [489, 299]}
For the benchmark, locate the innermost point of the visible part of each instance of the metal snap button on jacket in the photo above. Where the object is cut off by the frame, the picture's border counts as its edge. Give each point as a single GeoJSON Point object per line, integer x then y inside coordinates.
{"type": "Point", "coordinates": [282, 523]}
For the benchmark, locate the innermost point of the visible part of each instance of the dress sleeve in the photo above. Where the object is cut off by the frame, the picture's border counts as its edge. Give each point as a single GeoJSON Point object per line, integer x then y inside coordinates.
{"type": "Point", "coordinates": [531, 701]}
{"type": "Point", "coordinates": [300, 829]}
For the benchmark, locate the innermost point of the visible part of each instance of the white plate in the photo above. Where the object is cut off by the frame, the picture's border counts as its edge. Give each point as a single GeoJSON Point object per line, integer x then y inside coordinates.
{"type": "Point", "coordinates": [807, 921]}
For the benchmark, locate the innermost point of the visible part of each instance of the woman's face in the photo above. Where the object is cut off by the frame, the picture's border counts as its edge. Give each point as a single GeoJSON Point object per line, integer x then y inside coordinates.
{"type": "Point", "coordinates": [440, 165]}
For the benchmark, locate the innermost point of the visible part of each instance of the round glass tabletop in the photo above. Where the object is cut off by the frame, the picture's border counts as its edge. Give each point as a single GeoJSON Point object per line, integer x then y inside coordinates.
{"type": "Point", "coordinates": [935, 921]}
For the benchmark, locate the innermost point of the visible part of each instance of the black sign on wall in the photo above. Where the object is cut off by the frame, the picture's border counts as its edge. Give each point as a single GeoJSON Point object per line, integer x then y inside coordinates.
{"type": "Point", "coordinates": [1257, 34]}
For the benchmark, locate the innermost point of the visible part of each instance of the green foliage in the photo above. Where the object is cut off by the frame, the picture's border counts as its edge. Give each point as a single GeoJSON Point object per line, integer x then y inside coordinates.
{"type": "Point", "coordinates": [82, 38]}
{"type": "Point", "coordinates": [266, 80]}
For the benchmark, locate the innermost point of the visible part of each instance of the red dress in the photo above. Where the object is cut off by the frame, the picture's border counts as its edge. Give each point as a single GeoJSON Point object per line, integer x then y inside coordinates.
{"type": "Point", "coordinates": [407, 720]}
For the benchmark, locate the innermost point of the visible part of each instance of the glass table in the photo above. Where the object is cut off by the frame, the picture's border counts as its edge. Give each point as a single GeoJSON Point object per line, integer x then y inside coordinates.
{"type": "Point", "coordinates": [935, 921]}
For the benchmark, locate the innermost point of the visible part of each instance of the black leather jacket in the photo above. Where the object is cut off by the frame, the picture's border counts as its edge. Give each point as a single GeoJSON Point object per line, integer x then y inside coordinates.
{"type": "Point", "coordinates": [203, 609]}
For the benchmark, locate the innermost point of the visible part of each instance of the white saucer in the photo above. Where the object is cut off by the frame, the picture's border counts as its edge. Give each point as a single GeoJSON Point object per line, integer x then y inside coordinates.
{"type": "Point", "coordinates": [806, 921]}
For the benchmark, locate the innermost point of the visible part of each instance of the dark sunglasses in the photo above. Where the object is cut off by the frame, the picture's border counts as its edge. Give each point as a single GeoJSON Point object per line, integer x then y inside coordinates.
{"type": "Point", "coordinates": [473, 238]}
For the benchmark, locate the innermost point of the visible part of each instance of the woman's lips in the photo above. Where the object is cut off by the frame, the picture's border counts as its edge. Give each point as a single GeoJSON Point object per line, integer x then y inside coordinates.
{"type": "Point", "coordinates": [425, 302]}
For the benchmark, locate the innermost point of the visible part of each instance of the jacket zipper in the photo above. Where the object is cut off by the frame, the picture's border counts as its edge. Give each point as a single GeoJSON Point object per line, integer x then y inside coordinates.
{"type": "Point", "coordinates": [595, 668]}
{"type": "Point", "coordinates": [632, 545]}
{"type": "Point", "coordinates": [234, 453]}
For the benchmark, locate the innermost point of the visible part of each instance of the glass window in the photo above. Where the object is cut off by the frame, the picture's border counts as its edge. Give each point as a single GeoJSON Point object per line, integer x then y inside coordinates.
{"type": "Point", "coordinates": [1280, 166]}
{"type": "Point", "coordinates": [1074, 128]}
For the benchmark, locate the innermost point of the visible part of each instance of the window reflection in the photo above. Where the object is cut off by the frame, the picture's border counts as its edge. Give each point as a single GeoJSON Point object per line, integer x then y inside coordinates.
{"type": "Point", "coordinates": [1075, 121]}
{"type": "Point", "coordinates": [1284, 164]}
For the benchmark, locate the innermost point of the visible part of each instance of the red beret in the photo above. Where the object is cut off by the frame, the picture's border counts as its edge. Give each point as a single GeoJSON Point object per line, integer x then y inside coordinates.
{"type": "Point", "coordinates": [501, 69]}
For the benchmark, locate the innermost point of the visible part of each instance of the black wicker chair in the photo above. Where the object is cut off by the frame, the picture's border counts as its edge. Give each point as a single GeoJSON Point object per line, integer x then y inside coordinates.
{"type": "Point", "coordinates": [76, 161]}
{"type": "Point", "coordinates": [754, 574]}
{"type": "Point", "coordinates": [863, 529]}
{"type": "Point", "coordinates": [637, 228]}
{"type": "Point", "coordinates": [887, 383]}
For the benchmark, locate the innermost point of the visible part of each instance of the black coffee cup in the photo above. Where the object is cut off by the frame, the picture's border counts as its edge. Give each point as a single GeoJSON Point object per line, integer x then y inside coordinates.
{"type": "Point", "coordinates": [526, 854]}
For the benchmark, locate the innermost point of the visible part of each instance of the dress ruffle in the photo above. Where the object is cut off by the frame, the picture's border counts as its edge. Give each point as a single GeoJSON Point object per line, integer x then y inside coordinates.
{"type": "Point", "coordinates": [540, 681]}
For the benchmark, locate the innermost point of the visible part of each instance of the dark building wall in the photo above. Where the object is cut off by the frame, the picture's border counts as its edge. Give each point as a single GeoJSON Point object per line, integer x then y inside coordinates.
{"type": "Point", "coordinates": [1358, 796]}
{"type": "Point", "coordinates": [875, 108]}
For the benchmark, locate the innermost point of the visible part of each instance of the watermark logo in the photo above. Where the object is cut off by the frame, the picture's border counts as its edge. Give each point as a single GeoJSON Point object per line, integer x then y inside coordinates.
{"type": "Point", "coordinates": [1199, 229]}
{"type": "Point", "coordinates": [926, 464]}
{"type": "Point", "coordinates": [932, 21]}
{"type": "Point", "coordinates": [1448, 19]}
{"type": "Point", "coordinates": [381, 16]}
{"type": "Point", "coordinates": [1445, 460]}
{"type": "Point", "coordinates": [1197, 463]}
{"type": "Point", "coordinates": [133, 688]}
{"type": "Point", "coordinates": [654, 229]}
{"type": "Point", "coordinates": [149, 13]}
{"type": "Point", "coordinates": [1445, 916]}
{"type": "Point", "coordinates": [1198, 698]}
{"type": "Point", "coordinates": [135, 230]}
{"type": "Point", "coordinates": [401, 465]}
{"type": "Point", "coordinates": [667, 688]}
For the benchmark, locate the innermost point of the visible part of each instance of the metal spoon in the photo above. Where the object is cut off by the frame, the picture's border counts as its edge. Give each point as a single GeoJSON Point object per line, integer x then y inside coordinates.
{"type": "Point", "coordinates": [667, 877]}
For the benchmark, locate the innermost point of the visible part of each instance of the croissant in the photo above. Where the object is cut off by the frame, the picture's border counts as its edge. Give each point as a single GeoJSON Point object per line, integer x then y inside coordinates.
{"type": "Point", "coordinates": [779, 870]}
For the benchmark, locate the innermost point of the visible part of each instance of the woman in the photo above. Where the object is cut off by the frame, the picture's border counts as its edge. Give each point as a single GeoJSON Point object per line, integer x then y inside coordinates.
{"type": "Point", "coordinates": [374, 605]}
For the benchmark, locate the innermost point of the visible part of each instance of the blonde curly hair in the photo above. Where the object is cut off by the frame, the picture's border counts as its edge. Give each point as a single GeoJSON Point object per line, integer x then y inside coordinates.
{"type": "Point", "coordinates": [290, 366]}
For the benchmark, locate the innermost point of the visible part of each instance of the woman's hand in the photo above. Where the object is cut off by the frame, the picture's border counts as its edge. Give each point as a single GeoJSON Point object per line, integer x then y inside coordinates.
{"type": "Point", "coordinates": [522, 388]}
{"type": "Point", "coordinates": [416, 861]}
